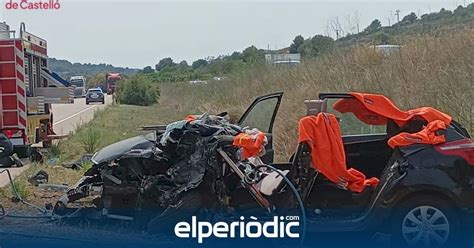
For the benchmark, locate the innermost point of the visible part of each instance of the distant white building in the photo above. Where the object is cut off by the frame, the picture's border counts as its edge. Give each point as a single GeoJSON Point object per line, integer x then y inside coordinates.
{"type": "Point", "coordinates": [387, 50]}
{"type": "Point", "coordinates": [197, 82]}
{"type": "Point", "coordinates": [282, 57]}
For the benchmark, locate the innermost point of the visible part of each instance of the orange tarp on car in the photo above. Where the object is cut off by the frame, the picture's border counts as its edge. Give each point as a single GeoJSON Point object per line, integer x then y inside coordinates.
{"type": "Point", "coordinates": [323, 135]}
{"type": "Point", "coordinates": [251, 144]}
{"type": "Point", "coordinates": [376, 109]}
{"type": "Point", "coordinates": [429, 135]}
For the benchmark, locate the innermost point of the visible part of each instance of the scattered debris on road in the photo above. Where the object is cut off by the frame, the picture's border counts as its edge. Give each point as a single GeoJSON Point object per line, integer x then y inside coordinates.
{"type": "Point", "coordinates": [54, 187]}
{"type": "Point", "coordinates": [78, 164]}
{"type": "Point", "coordinates": [41, 177]}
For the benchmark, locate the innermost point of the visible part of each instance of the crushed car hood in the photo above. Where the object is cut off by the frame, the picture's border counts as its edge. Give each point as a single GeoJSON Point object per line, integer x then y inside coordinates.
{"type": "Point", "coordinates": [117, 150]}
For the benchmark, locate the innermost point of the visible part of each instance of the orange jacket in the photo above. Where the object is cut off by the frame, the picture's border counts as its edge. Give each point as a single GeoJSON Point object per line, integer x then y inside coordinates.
{"type": "Point", "coordinates": [323, 134]}
{"type": "Point", "coordinates": [426, 136]}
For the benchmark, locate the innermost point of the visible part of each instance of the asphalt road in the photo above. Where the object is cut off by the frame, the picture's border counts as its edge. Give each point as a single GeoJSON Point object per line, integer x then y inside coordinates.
{"type": "Point", "coordinates": [66, 118]}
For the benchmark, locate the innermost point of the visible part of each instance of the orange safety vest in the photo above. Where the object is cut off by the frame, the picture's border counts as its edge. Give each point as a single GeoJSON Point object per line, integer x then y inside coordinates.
{"type": "Point", "coordinates": [376, 109]}
{"type": "Point", "coordinates": [429, 135]}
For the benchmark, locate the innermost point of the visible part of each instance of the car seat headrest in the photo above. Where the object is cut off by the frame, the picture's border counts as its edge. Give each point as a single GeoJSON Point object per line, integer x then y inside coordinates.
{"type": "Point", "coordinates": [412, 126]}
{"type": "Point", "coordinates": [314, 107]}
{"type": "Point", "coordinates": [392, 128]}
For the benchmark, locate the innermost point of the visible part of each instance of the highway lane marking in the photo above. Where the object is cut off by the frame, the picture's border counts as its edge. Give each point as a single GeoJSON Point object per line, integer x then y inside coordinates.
{"type": "Point", "coordinates": [74, 115]}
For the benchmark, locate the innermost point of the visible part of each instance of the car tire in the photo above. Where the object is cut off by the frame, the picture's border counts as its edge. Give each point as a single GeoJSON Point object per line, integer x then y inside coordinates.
{"type": "Point", "coordinates": [103, 101]}
{"type": "Point", "coordinates": [413, 224]}
{"type": "Point", "coordinates": [87, 103]}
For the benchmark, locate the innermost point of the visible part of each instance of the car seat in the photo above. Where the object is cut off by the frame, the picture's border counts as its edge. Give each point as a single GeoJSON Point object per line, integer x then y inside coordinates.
{"type": "Point", "coordinates": [306, 177]}
{"type": "Point", "coordinates": [323, 134]}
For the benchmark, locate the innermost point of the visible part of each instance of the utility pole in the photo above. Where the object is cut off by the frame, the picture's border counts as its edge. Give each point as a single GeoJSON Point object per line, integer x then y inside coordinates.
{"type": "Point", "coordinates": [397, 13]}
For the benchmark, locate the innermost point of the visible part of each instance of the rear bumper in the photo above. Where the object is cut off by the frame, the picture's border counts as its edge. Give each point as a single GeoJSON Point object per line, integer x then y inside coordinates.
{"type": "Point", "coordinates": [79, 93]}
{"type": "Point", "coordinates": [95, 99]}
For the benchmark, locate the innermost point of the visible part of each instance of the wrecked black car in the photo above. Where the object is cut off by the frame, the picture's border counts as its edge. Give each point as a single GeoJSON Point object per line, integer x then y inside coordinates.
{"type": "Point", "coordinates": [362, 166]}
{"type": "Point", "coordinates": [147, 177]}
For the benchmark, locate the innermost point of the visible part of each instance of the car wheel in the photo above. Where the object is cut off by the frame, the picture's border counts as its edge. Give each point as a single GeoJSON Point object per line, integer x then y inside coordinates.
{"type": "Point", "coordinates": [425, 221]}
{"type": "Point", "coordinates": [87, 103]}
{"type": "Point", "coordinates": [103, 102]}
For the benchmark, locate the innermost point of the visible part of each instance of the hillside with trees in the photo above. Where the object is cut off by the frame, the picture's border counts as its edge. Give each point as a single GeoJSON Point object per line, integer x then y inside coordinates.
{"type": "Point", "coordinates": [67, 69]}
{"type": "Point", "coordinates": [432, 24]}
{"type": "Point", "coordinates": [167, 70]}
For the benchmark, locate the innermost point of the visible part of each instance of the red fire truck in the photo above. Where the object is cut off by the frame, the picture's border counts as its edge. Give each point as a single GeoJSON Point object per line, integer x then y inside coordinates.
{"type": "Point", "coordinates": [27, 89]}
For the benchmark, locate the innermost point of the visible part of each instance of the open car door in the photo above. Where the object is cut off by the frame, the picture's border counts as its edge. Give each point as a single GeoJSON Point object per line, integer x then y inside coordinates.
{"type": "Point", "coordinates": [261, 115]}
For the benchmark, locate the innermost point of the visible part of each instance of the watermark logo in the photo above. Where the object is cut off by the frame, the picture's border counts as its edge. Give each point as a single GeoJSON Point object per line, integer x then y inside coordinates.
{"type": "Point", "coordinates": [32, 5]}
{"type": "Point", "coordinates": [279, 227]}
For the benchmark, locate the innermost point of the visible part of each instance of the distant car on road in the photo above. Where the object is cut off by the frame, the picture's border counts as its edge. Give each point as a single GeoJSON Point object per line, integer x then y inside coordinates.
{"type": "Point", "coordinates": [95, 95]}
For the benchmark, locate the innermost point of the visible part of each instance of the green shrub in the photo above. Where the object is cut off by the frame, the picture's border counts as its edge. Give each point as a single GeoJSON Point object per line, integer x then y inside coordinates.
{"type": "Point", "coordinates": [86, 166]}
{"type": "Point", "coordinates": [90, 139]}
{"type": "Point", "coordinates": [56, 149]}
{"type": "Point", "coordinates": [139, 90]}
